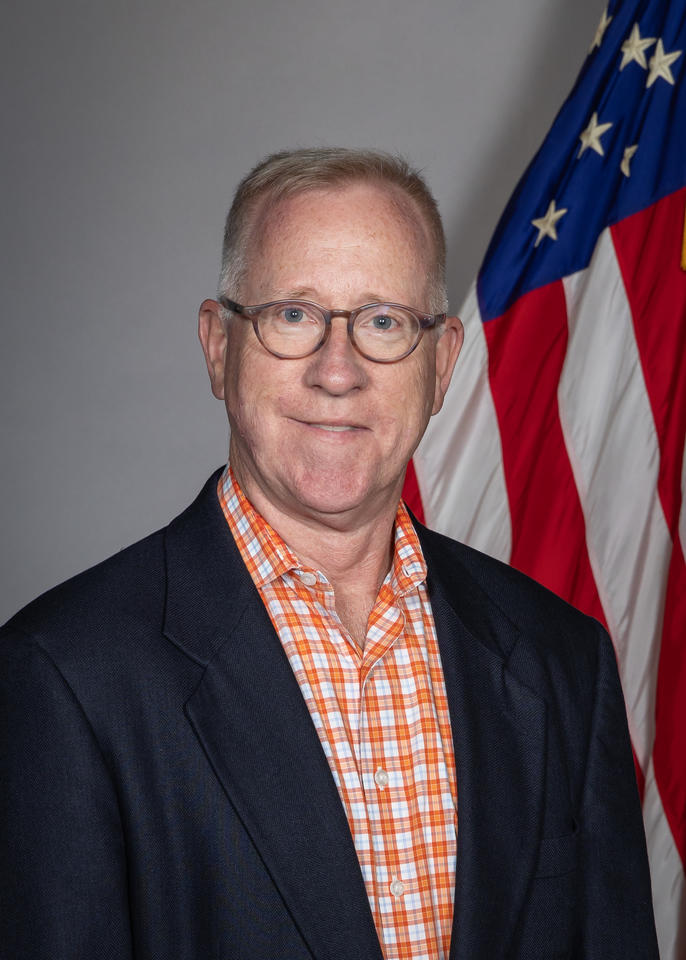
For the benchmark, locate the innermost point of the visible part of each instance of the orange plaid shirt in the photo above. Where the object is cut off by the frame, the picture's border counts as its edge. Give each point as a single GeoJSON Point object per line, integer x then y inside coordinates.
{"type": "Point", "coordinates": [381, 714]}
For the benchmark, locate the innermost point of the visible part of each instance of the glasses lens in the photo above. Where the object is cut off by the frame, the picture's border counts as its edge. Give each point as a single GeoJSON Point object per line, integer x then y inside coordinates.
{"type": "Point", "coordinates": [291, 328]}
{"type": "Point", "coordinates": [384, 331]}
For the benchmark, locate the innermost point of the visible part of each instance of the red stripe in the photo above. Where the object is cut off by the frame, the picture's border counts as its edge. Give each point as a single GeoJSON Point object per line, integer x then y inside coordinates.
{"type": "Point", "coordinates": [411, 494]}
{"type": "Point", "coordinates": [527, 347]}
{"type": "Point", "coordinates": [669, 751]}
{"type": "Point", "coordinates": [648, 247]}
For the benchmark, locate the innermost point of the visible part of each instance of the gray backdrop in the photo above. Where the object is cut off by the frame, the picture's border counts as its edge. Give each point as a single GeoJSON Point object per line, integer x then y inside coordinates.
{"type": "Point", "coordinates": [127, 128]}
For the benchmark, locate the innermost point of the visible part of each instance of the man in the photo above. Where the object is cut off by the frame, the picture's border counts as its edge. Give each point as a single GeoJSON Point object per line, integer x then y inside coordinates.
{"type": "Point", "coordinates": [246, 736]}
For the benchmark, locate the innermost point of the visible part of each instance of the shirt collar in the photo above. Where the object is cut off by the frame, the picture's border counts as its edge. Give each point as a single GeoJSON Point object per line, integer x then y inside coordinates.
{"type": "Point", "coordinates": [265, 554]}
{"type": "Point", "coordinates": [408, 569]}
{"type": "Point", "coordinates": [268, 557]}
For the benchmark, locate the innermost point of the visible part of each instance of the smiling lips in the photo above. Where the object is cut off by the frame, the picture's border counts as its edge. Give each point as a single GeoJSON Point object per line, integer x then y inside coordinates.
{"type": "Point", "coordinates": [332, 427]}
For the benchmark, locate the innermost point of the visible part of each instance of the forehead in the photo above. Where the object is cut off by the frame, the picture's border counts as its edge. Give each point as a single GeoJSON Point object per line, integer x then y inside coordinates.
{"type": "Point", "coordinates": [360, 230]}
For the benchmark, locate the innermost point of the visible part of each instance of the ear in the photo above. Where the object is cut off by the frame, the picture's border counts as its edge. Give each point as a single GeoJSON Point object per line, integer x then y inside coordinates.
{"type": "Point", "coordinates": [448, 349]}
{"type": "Point", "coordinates": [213, 339]}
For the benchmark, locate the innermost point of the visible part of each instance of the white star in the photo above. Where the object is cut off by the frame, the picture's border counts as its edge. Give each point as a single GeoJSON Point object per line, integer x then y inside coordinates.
{"type": "Point", "coordinates": [626, 159]}
{"type": "Point", "coordinates": [590, 137]}
{"type": "Point", "coordinates": [634, 48]}
{"type": "Point", "coordinates": [546, 225]}
{"type": "Point", "coordinates": [600, 32]}
{"type": "Point", "coordinates": [660, 63]}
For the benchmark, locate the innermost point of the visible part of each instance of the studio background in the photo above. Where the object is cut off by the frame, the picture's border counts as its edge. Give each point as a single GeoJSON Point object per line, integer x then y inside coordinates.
{"type": "Point", "coordinates": [127, 127]}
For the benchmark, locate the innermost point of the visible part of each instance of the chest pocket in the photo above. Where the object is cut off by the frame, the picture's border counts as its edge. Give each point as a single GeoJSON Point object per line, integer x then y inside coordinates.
{"type": "Point", "coordinates": [557, 855]}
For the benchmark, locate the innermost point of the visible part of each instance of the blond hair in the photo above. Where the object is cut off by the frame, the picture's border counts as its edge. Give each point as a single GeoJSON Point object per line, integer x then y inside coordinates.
{"type": "Point", "coordinates": [291, 172]}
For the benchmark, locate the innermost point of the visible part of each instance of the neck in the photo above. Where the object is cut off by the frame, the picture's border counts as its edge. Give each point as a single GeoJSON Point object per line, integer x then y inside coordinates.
{"type": "Point", "coordinates": [361, 553]}
{"type": "Point", "coordinates": [360, 559]}
{"type": "Point", "coordinates": [355, 564]}
{"type": "Point", "coordinates": [354, 553]}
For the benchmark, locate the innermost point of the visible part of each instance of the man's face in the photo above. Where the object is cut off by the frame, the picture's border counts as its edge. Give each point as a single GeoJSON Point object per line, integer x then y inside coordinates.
{"type": "Point", "coordinates": [329, 436]}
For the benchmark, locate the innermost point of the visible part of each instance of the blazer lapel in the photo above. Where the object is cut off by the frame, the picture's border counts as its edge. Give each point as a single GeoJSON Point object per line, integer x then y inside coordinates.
{"type": "Point", "coordinates": [254, 726]}
{"type": "Point", "coordinates": [255, 729]}
{"type": "Point", "coordinates": [499, 733]}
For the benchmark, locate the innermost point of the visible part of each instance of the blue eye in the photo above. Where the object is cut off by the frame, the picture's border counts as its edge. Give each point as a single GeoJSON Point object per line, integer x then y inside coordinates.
{"type": "Point", "coordinates": [382, 321]}
{"type": "Point", "coordinates": [293, 314]}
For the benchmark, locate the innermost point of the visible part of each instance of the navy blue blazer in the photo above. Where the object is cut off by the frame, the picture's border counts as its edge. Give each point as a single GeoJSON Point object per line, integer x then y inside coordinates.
{"type": "Point", "coordinates": [165, 794]}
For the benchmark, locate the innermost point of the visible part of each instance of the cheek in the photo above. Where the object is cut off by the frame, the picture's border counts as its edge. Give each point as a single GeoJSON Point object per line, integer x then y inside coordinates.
{"type": "Point", "coordinates": [411, 397]}
{"type": "Point", "coordinates": [254, 392]}
{"type": "Point", "coordinates": [242, 390]}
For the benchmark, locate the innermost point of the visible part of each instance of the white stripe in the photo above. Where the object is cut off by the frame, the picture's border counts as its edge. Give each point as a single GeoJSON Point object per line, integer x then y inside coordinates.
{"type": "Point", "coordinates": [667, 875]}
{"type": "Point", "coordinates": [613, 450]}
{"type": "Point", "coordinates": [682, 515]}
{"type": "Point", "coordinates": [459, 462]}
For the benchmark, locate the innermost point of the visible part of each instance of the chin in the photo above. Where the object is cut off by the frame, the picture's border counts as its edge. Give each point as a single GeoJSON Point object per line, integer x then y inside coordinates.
{"type": "Point", "coordinates": [335, 492]}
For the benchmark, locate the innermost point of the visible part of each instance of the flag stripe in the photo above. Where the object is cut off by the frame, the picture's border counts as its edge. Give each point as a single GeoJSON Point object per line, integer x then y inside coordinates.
{"type": "Point", "coordinates": [610, 435]}
{"type": "Point", "coordinates": [669, 752]}
{"type": "Point", "coordinates": [648, 246]}
{"type": "Point", "coordinates": [411, 494]}
{"type": "Point", "coordinates": [667, 876]}
{"type": "Point", "coordinates": [526, 360]}
{"type": "Point", "coordinates": [459, 462]}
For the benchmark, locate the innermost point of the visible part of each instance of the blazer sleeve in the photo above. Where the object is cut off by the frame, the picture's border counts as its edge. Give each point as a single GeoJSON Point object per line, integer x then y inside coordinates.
{"type": "Point", "coordinates": [63, 892]}
{"type": "Point", "coordinates": [615, 900]}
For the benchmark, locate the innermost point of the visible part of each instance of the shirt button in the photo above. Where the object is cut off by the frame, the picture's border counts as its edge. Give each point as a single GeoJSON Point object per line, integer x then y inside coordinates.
{"type": "Point", "coordinates": [309, 579]}
{"type": "Point", "coordinates": [381, 778]}
{"type": "Point", "coordinates": [397, 887]}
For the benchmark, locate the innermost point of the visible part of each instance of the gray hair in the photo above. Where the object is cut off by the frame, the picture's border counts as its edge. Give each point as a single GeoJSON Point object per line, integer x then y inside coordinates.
{"type": "Point", "coordinates": [290, 172]}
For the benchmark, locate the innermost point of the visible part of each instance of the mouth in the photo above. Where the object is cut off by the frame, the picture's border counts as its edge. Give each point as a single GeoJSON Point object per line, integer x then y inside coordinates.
{"type": "Point", "coordinates": [333, 427]}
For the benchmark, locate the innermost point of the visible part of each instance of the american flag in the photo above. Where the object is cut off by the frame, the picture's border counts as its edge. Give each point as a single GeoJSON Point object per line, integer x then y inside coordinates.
{"type": "Point", "coordinates": [560, 448]}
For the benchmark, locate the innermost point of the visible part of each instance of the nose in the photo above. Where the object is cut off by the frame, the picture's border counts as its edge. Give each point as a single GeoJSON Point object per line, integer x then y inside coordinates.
{"type": "Point", "coordinates": [337, 367]}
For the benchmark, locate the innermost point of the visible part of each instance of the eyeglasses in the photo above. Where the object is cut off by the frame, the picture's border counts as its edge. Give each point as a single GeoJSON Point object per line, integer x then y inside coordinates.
{"type": "Point", "coordinates": [292, 329]}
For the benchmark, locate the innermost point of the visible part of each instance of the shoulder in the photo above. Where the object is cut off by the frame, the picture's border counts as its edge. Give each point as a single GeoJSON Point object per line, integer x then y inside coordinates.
{"type": "Point", "coordinates": [552, 649]}
{"type": "Point", "coordinates": [525, 600]}
{"type": "Point", "coordinates": [111, 622]}
{"type": "Point", "coordinates": [95, 649]}
{"type": "Point", "coordinates": [118, 598]}
{"type": "Point", "coordinates": [484, 591]}
{"type": "Point", "coordinates": [123, 595]}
